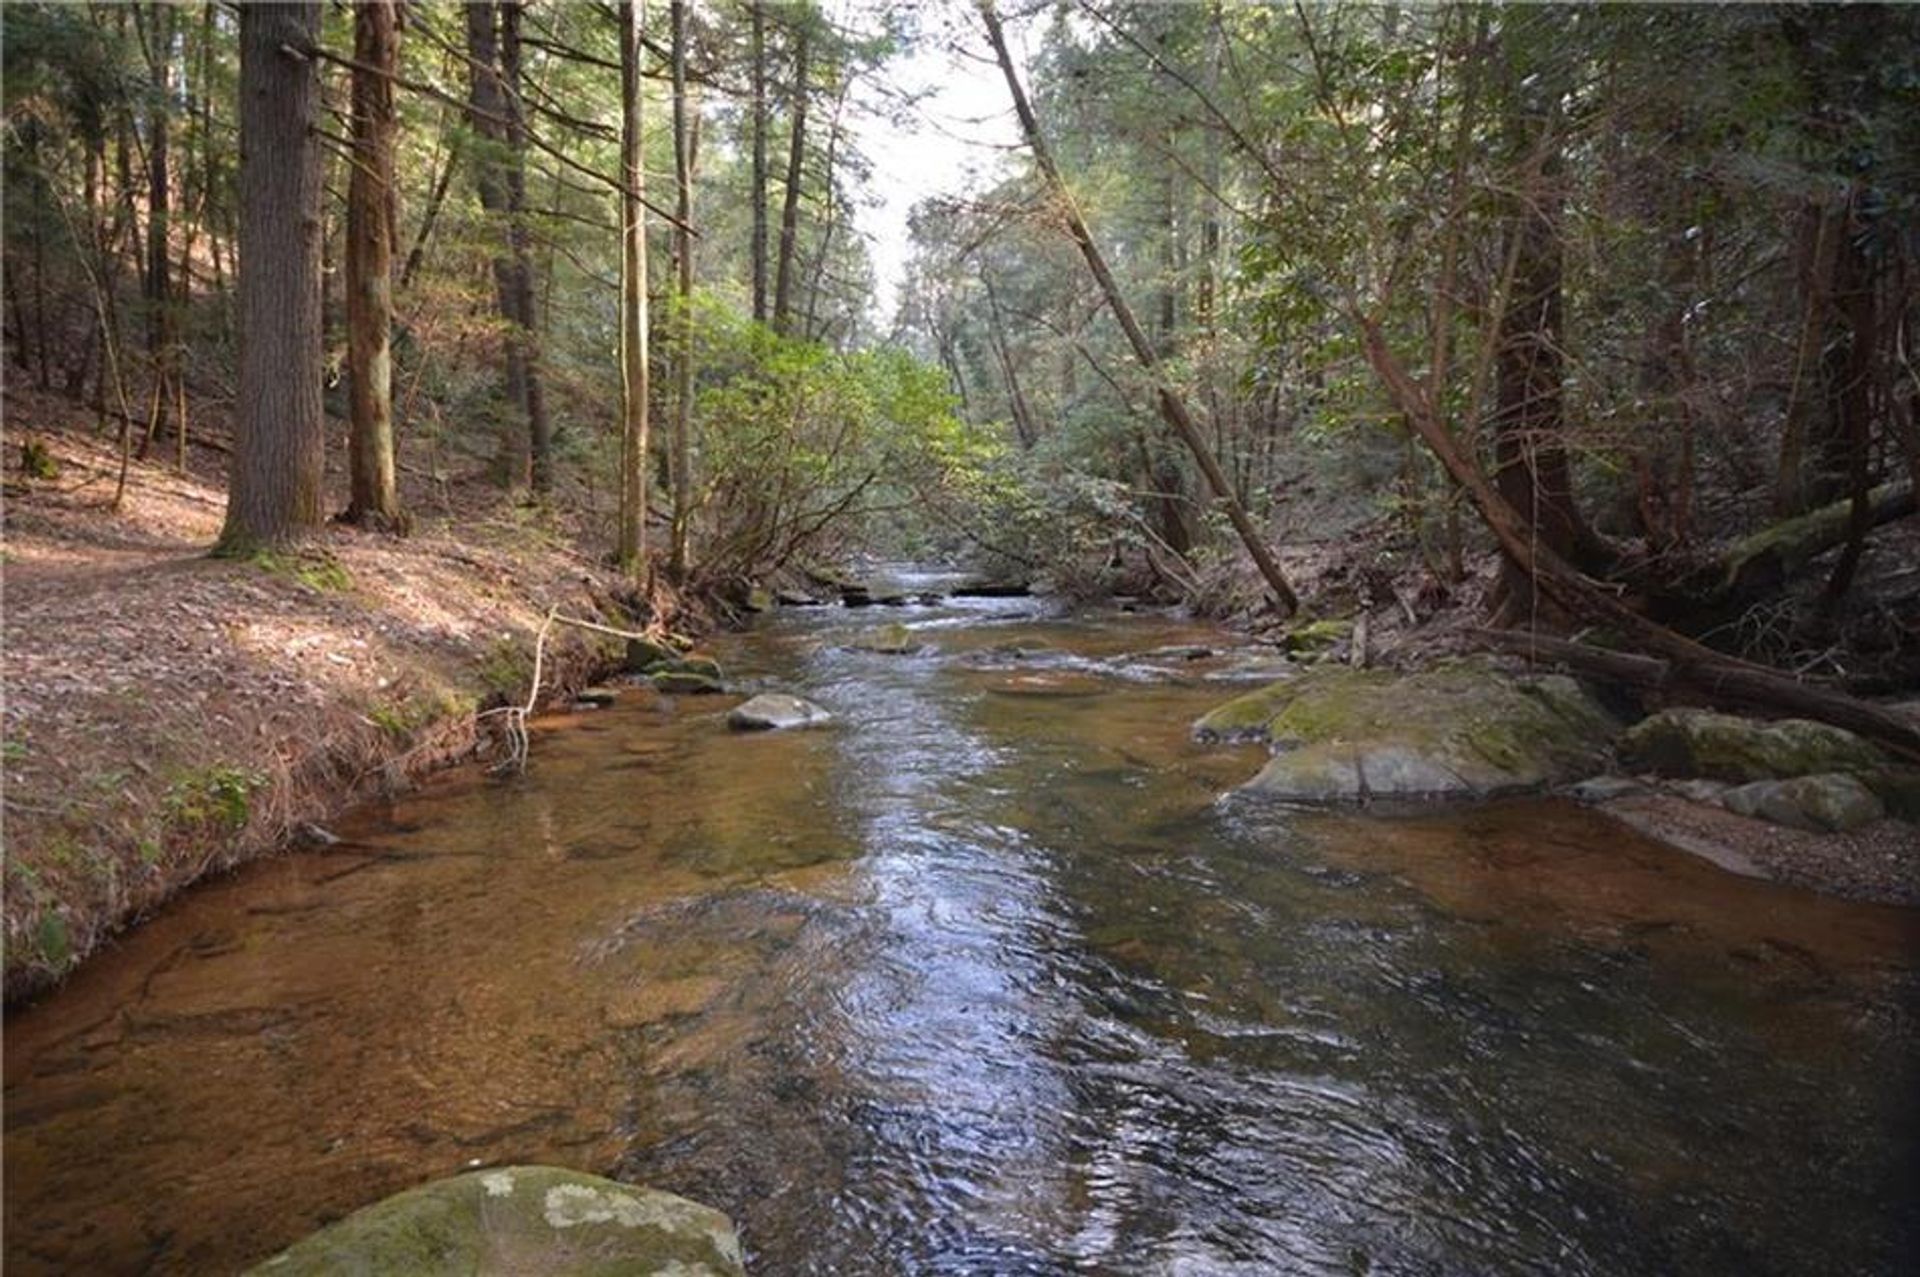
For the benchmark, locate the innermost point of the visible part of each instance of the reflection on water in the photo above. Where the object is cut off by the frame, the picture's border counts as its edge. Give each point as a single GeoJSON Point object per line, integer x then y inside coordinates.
{"type": "Point", "coordinates": [983, 980]}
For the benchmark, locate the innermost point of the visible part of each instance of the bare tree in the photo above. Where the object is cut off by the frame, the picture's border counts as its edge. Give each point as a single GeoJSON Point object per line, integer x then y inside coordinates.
{"type": "Point", "coordinates": [633, 289]}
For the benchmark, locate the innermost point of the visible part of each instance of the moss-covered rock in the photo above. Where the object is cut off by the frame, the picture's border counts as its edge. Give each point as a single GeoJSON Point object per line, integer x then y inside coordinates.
{"type": "Point", "coordinates": [889, 640]}
{"type": "Point", "coordinates": [1897, 788]}
{"type": "Point", "coordinates": [1315, 638]}
{"type": "Point", "coordinates": [1704, 743]}
{"type": "Point", "coordinates": [687, 683]}
{"type": "Point", "coordinates": [1459, 730]}
{"type": "Point", "coordinates": [520, 1219]}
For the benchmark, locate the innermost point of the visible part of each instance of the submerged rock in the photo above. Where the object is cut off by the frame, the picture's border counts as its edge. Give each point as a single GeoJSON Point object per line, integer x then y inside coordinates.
{"type": "Point", "coordinates": [888, 640]}
{"type": "Point", "coordinates": [687, 683]}
{"type": "Point", "coordinates": [1704, 743]}
{"type": "Point", "coordinates": [520, 1219]}
{"type": "Point", "coordinates": [1834, 802]}
{"type": "Point", "coordinates": [1048, 683]}
{"type": "Point", "coordinates": [770, 711]}
{"type": "Point", "coordinates": [1459, 730]}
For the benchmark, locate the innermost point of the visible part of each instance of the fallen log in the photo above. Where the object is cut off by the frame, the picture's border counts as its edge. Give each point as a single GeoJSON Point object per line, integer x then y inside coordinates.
{"type": "Point", "coordinates": [1759, 563]}
{"type": "Point", "coordinates": [1722, 683]}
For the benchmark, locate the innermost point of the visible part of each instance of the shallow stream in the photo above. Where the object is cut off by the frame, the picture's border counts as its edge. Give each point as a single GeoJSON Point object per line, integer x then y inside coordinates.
{"type": "Point", "coordinates": [984, 979]}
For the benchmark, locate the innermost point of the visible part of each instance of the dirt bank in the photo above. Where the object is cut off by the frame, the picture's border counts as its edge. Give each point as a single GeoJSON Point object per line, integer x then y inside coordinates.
{"type": "Point", "coordinates": [168, 715]}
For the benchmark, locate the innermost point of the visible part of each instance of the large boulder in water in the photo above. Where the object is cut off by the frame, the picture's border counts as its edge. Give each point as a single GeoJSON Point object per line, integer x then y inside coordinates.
{"type": "Point", "coordinates": [771, 711]}
{"type": "Point", "coordinates": [1459, 730]}
{"type": "Point", "coordinates": [520, 1219]}
{"type": "Point", "coordinates": [1703, 743]}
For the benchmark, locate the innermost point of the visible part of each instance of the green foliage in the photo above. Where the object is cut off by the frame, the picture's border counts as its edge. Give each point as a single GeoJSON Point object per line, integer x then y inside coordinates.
{"type": "Point", "coordinates": [220, 795]}
{"type": "Point", "coordinates": [805, 446]}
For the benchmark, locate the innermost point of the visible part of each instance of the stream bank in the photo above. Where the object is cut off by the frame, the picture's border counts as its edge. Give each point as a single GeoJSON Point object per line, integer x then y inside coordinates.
{"type": "Point", "coordinates": [982, 975]}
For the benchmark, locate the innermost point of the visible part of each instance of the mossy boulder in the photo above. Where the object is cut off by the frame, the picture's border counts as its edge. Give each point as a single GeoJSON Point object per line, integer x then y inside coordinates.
{"type": "Point", "coordinates": [1316, 638]}
{"type": "Point", "coordinates": [1464, 729]}
{"type": "Point", "coordinates": [1704, 743]}
{"type": "Point", "coordinates": [687, 683]}
{"type": "Point", "coordinates": [520, 1219]}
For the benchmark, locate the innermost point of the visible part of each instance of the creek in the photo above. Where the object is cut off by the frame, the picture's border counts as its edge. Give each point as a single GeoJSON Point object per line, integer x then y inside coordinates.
{"type": "Point", "coordinates": [984, 977]}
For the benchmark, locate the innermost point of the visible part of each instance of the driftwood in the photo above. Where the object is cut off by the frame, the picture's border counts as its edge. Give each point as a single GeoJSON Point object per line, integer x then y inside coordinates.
{"type": "Point", "coordinates": [1722, 683]}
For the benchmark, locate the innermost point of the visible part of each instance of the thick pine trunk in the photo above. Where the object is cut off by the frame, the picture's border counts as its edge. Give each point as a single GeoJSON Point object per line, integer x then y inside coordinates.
{"type": "Point", "coordinates": [375, 496]}
{"type": "Point", "coordinates": [274, 489]}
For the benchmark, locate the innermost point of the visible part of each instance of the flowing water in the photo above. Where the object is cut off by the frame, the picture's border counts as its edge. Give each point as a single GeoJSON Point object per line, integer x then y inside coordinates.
{"type": "Point", "coordinates": [984, 979]}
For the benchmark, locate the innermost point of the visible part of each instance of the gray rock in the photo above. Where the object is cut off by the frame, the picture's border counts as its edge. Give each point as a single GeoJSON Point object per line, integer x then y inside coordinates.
{"type": "Point", "coordinates": [793, 598]}
{"type": "Point", "coordinates": [1699, 742]}
{"type": "Point", "coordinates": [1829, 803]}
{"type": "Point", "coordinates": [1604, 789]}
{"type": "Point", "coordinates": [771, 711]}
{"type": "Point", "coordinates": [596, 696]}
{"type": "Point", "coordinates": [1700, 791]}
{"type": "Point", "coordinates": [520, 1219]}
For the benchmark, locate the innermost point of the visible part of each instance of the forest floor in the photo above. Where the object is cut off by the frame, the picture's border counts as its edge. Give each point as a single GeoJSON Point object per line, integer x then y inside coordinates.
{"type": "Point", "coordinates": [168, 714]}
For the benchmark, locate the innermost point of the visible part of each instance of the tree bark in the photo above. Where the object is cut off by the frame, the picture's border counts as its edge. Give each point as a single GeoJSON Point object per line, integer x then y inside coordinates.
{"type": "Point", "coordinates": [1172, 407]}
{"type": "Point", "coordinates": [279, 454]}
{"type": "Point", "coordinates": [525, 319]}
{"type": "Point", "coordinates": [375, 498]}
{"type": "Point", "coordinates": [633, 291]}
{"type": "Point", "coordinates": [162, 358]}
{"type": "Point", "coordinates": [682, 459]}
{"type": "Point", "coordinates": [796, 158]}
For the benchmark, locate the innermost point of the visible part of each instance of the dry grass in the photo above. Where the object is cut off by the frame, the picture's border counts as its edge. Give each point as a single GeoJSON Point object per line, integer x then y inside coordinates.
{"type": "Point", "coordinates": [168, 715]}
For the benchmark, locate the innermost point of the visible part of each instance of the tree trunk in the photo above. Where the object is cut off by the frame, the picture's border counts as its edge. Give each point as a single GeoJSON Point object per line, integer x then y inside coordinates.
{"type": "Point", "coordinates": [525, 321]}
{"type": "Point", "coordinates": [633, 291]}
{"type": "Point", "coordinates": [1172, 407]}
{"type": "Point", "coordinates": [683, 262]}
{"type": "Point", "coordinates": [274, 489]}
{"type": "Point", "coordinates": [796, 157]}
{"type": "Point", "coordinates": [161, 355]}
{"type": "Point", "coordinates": [758, 10]}
{"type": "Point", "coordinates": [375, 497]}
{"type": "Point", "coordinates": [1532, 468]}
